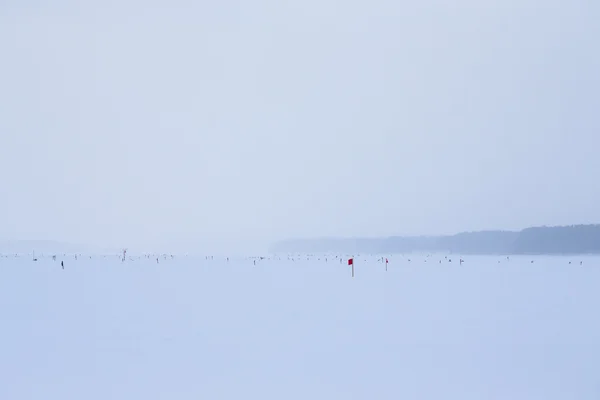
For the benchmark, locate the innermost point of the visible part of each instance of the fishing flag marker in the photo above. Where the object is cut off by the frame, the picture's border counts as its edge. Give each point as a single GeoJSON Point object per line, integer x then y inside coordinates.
{"type": "Point", "coordinates": [351, 262]}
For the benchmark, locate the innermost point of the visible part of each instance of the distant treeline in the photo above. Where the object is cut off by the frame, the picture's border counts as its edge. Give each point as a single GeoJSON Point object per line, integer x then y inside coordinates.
{"type": "Point", "coordinates": [575, 239]}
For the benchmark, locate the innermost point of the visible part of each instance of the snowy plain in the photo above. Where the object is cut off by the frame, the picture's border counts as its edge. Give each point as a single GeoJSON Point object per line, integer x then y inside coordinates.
{"type": "Point", "coordinates": [197, 328]}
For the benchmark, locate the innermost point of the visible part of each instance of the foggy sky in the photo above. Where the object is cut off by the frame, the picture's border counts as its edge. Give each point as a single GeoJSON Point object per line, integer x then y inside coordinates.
{"type": "Point", "coordinates": [232, 124]}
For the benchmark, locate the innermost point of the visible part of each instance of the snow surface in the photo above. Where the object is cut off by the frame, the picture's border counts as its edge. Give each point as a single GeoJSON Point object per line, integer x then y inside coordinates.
{"type": "Point", "coordinates": [191, 328]}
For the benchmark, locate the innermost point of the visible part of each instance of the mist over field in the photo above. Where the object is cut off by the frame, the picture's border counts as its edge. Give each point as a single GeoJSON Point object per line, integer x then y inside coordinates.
{"type": "Point", "coordinates": [242, 152]}
{"type": "Point", "coordinates": [228, 126]}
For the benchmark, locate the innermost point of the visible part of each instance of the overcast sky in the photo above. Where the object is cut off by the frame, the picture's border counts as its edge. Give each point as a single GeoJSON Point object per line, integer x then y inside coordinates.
{"type": "Point", "coordinates": [237, 123]}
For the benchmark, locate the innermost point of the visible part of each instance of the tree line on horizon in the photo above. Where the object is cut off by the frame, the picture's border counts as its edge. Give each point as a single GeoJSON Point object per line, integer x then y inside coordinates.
{"type": "Point", "coordinates": [574, 239]}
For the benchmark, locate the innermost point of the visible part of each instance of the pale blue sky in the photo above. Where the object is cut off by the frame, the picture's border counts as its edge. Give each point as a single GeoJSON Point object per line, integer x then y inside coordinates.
{"type": "Point", "coordinates": [233, 124]}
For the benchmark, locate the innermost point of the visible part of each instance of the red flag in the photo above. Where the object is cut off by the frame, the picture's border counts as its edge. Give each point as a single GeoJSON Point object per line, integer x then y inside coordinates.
{"type": "Point", "coordinates": [350, 261]}
{"type": "Point", "coordinates": [386, 260]}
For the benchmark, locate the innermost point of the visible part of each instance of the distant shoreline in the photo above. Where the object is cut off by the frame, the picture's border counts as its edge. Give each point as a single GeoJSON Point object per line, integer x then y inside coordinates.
{"type": "Point", "coordinates": [544, 240]}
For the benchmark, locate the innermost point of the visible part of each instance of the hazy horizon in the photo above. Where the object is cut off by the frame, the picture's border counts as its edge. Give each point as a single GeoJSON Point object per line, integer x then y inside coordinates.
{"type": "Point", "coordinates": [234, 125]}
{"type": "Point", "coordinates": [205, 248]}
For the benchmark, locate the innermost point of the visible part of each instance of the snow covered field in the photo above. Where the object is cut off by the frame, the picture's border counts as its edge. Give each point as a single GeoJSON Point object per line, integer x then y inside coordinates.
{"type": "Point", "coordinates": [191, 328]}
